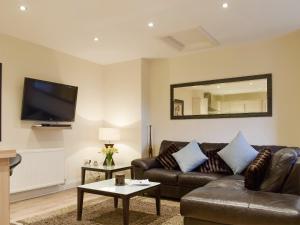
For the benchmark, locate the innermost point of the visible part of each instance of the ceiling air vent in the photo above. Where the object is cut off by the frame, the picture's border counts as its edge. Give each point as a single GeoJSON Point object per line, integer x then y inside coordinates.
{"type": "Point", "coordinates": [190, 40]}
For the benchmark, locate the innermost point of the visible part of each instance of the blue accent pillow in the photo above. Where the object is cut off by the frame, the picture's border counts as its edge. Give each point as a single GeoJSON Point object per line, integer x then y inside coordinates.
{"type": "Point", "coordinates": [238, 154]}
{"type": "Point", "coordinates": [190, 157]}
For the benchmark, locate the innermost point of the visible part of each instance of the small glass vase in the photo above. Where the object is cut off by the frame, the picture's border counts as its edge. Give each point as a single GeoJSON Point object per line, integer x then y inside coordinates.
{"type": "Point", "coordinates": [109, 161]}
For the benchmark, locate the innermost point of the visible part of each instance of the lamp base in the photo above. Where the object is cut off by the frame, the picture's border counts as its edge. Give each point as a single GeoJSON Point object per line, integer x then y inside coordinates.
{"type": "Point", "coordinates": [109, 145]}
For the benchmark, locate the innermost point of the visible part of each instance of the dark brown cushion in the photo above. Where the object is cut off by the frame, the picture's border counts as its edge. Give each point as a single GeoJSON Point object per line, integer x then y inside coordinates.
{"type": "Point", "coordinates": [214, 164]}
{"type": "Point", "coordinates": [279, 169]}
{"type": "Point", "coordinates": [166, 159]}
{"type": "Point", "coordinates": [256, 171]}
{"type": "Point", "coordinates": [206, 146]}
{"type": "Point", "coordinates": [166, 144]}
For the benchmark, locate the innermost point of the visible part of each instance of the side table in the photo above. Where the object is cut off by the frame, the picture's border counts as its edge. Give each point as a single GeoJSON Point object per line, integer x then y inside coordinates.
{"type": "Point", "coordinates": [108, 170]}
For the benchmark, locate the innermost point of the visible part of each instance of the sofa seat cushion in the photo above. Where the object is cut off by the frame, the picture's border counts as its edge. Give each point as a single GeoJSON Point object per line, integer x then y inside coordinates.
{"type": "Point", "coordinates": [231, 205]}
{"type": "Point", "coordinates": [169, 177]}
{"type": "Point", "coordinates": [234, 182]}
{"type": "Point", "coordinates": [196, 179]}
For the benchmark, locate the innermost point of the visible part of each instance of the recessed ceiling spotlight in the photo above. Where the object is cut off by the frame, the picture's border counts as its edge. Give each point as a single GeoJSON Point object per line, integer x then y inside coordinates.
{"type": "Point", "coordinates": [23, 8]}
{"type": "Point", "coordinates": [96, 39]}
{"type": "Point", "coordinates": [150, 24]}
{"type": "Point", "coordinates": [250, 83]}
{"type": "Point", "coordinates": [225, 5]}
{"type": "Point", "coordinates": [218, 86]}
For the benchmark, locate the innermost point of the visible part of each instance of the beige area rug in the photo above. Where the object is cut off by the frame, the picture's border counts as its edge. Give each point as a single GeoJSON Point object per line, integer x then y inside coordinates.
{"type": "Point", "coordinates": [102, 212]}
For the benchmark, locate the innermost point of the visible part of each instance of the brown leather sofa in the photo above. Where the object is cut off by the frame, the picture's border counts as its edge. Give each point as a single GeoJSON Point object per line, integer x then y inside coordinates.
{"type": "Point", "coordinates": [222, 199]}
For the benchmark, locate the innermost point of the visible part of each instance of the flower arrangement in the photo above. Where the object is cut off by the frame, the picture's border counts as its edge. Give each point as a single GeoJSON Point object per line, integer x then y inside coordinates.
{"type": "Point", "coordinates": [109, 152]}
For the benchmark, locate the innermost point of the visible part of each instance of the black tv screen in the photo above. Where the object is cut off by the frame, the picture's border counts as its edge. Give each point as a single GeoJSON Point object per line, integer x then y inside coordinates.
{"type": "Point", "coordinates": [48, 101]}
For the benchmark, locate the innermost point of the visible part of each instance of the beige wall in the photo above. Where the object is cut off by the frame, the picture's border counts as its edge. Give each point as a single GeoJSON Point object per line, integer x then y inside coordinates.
{"type": "Point", "coordinates": [279, 56]}
{"type": "Point", "coordinates": [145, 74]}
{"type": "Point", "coordinates": [122, 106]}
{"type": "Point", "coordinates": [108, 95]}
{"type": "Point", "coordinates": [20, 59]}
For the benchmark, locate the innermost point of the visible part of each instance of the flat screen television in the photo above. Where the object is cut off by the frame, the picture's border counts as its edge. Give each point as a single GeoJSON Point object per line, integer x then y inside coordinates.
{"type": "Point", "coordinates": [48, 101]}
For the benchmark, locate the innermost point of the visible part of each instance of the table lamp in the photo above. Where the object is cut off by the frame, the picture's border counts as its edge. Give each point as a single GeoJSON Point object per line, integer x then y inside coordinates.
{"type": "Point", "coordinates": [108, 135]}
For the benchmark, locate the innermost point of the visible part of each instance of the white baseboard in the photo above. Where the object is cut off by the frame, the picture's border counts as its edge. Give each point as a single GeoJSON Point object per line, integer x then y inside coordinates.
{"type": "Point", "coordinates": [43, 191]}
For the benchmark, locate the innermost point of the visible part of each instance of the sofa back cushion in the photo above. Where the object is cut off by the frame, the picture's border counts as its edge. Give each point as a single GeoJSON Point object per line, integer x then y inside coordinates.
{"type": "Point", "coordinates": [214, 164]}
{"type": "Point", "coordinates": [206, 146]}
{"type": "Point", "coordinates": [166, 144]}
{"type": "Point", "coordinates": [166, 159]}
{"type": "Point", "coordinates": [280, 167]}
{"type": "Point", "coordinates": [273, 148]}
{"type": "Point", "coordinates": [292, 184]}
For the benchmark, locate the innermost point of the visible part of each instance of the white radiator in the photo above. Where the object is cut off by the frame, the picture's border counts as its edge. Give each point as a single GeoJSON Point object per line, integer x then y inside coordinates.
{"type": "Point", "coordinates": [39, 168]}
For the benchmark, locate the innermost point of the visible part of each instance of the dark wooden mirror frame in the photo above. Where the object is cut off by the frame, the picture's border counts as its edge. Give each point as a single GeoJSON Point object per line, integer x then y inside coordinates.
{"type": "Point", "coordinates": [269, 112]}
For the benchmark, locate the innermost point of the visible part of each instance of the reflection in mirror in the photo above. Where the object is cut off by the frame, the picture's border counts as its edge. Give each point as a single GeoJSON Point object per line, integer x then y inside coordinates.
{"type": "Point", "coordinates": [225, 98]}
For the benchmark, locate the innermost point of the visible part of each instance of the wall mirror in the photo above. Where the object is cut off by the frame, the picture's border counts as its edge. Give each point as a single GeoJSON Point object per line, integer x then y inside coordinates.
{"type": "Point", "coordinates": [249, 96]}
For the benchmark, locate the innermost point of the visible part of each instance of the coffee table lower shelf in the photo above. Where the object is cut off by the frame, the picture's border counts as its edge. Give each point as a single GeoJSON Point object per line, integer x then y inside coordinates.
{"type": "Point", "coordinates": [107, 188]}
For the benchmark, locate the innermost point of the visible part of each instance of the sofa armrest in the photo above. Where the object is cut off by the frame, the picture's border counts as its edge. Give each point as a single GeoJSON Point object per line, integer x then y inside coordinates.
{"type": "Point", "coordinates": [142, 165]}
{"type": "Point", "coordinates": [146, 164]}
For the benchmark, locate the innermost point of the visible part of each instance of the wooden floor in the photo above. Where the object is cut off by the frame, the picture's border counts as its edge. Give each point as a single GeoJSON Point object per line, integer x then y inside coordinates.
{"type": "Point", "coordinates": [44, 204]}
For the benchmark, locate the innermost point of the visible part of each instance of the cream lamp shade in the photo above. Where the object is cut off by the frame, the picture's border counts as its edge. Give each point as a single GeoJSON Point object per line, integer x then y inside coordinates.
{"type": "Point", "coordinates": [109, 134]}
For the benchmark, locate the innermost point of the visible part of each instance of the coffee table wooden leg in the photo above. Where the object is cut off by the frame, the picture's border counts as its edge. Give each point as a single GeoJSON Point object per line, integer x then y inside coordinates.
{"type": "Point", "coordinates": [108, 175]}
{"type": "Point", "coordinates": [125, 211]}
{"type": "Point", "coordinates": [157, 199]}
{"type": "Point", "coordinates": [80, 195]}
{"type": "Point", "coordinates": [116, 202]}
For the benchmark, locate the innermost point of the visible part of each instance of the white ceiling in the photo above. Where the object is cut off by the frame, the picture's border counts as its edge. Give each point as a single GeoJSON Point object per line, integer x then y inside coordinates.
{"type": "Point", "coordinates": [121, 25]}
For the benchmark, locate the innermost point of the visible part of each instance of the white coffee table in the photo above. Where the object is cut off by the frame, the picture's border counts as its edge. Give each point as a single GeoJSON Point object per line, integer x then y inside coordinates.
{"type": "Point", "coordinates": [108, 188]}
